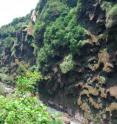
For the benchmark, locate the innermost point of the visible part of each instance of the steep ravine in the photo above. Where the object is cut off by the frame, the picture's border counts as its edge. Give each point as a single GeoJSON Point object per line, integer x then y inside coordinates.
{"type": "Point", "coordinates": [73, 43]}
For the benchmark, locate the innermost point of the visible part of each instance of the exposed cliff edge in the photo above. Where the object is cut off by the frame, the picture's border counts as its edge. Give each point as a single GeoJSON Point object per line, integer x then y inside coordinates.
{"type": "Point", "coordinates": [74, 44]}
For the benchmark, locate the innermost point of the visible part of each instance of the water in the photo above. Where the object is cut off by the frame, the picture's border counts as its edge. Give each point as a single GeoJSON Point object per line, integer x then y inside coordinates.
{"type": "Point", "coordinates": [54, 111]}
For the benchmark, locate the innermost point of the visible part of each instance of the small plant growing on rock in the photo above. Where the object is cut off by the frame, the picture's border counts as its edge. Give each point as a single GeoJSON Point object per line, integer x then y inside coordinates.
{"type": "Point", "coordinates": [113, 11]}
{"type": "Point", "coordinates": [112, 17]}
{"type": "Point", "coordinates": [67, 64]}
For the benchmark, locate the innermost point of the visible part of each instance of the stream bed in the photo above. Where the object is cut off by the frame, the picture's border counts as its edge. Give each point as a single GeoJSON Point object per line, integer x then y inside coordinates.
{"type": "Point", "coordinates": [64, 116]}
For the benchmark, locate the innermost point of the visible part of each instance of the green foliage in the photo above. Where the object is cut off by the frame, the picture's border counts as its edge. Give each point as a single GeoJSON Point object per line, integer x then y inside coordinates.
{"type": "Point", "coordinates": [41, 5]}
{"type": "Point", "coordinates": [55, 33]}
{"type": "Point", "coordinates": [67, 64]}
{"type": "Point", "coordinates": [106, 5]}
{"type": "Point", "coordinates": [16, 24]}
{"type": "Point", "coordinates": [21, 107]}
{"type": "Point", "coordinates": [8, 41]}
{"type": "Point", "coordinates": [102, 80]}
{"type": "Point", "coordinates": [79, 6]}
{"type": "Point", "coordinates": [27, 81]}
{"type": "Point", "coordinates": [8, 32]}
{"type": "Point", "coordinates": [21, 110]}
{"type": "Point", "coordinates": [44, 53]}
{"type": "Point", "coordinates": [64, 31]}
{"type": "Point", "coordinates": [75, 35]}
{"type": "Point", "coordinates": [56, 26]}
{"type": "Point", "coordinates": [74, 31]}
{"type": "Point", "coordinates": [38, 25]}
{"type": "Point", "coordinates": [52, 10]}
{"type": "Point", "coordinates": [113, 11]}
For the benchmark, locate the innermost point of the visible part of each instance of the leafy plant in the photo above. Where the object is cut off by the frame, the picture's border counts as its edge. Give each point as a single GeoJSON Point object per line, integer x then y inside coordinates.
{"type": "Point", "coordinates": [67, 64]}
{"type": "Point", "coordinates": [43, 54]}
{"type": "Point", "coordinates": [52, 10]}
{"type": "Point", "coordinates": [27, 81]}
{"type": "Point", "coordinates": [112, 17]}
{"type": "Point", "coordinates": [19, 110]}
{"type": "Point", "coordinates": [113, 11]}
{"type": "Point", "coordinates": [21, 107]}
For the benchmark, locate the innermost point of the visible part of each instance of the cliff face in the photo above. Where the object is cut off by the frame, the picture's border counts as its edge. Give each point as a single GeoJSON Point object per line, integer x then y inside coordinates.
{"type": "Point", "coordinates": [74, 44]}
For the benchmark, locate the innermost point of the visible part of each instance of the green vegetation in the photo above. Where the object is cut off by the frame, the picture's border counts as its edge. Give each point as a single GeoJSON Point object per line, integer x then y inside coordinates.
{"type": "Point", "coordinates": [56, 27]}
{"type": "Point", "coordinates": [27, 81]}
{"type": "Point", "coordinates": [52, 10]}
{"type": "Point", "coordinates": [112, 17]}
{"type": "Point", "coordinates": [106, 5]}
{"type": "Point", "coordinates": [67, 64]}
{"type": "Point", "coordinates": [22, 106]}
{"type": "Point", "coordinates": [113, 11]}
{"type": "Point", "coordinates": [22, 110]}
{"type": "Point", "coordinates": [44, 53]}
{"type": "Point", "coordinates": [64, 31]}
{"type": "Point", "coordinates": [70, 48]}
{"type": "Point", "coordinates": [28, 110]}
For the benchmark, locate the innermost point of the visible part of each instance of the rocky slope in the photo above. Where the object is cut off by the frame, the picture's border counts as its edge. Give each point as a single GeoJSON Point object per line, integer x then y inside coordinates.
{"type": "Point", "coordinates": [73, 43]}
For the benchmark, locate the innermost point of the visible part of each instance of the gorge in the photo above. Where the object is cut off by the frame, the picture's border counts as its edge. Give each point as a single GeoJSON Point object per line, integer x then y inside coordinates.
{"type": "Point", "coordinates": [73, 45]}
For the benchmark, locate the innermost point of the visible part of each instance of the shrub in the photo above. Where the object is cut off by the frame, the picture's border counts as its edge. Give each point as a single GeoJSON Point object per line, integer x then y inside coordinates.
{"type": "Point", "coordinates": [27, 81]}
{"type": "Point", "coordinates": [74, 34]}
{"type": "Point", "coordinates": [106, 5]}
{"type": "Point", "coordinates": [21, 110]}
{"type": "Point", "coordinates": [111, 20]}
{"type": "Point", "coordinates": [44, 53]}
{"type": "Point", "coordinates": [67, 64]}
{"type": "Point", "coordinates": [55, 33]}
{"type": "Point", "coordinates": [21, 107]}
{"type": "Point", "coordinates": [52, 10]}
{"type": "Point", "coordinates": [113, 11]}
{"type": "Point", "coordinates": [65, 31]}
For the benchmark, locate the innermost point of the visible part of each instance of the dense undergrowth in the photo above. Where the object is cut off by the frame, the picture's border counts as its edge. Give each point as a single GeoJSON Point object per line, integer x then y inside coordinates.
{"type": "Point", "coordinates": [23, 105]}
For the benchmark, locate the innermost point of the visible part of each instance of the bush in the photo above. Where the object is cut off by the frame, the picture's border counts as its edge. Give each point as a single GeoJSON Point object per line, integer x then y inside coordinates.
{"type": "Point", "coordinates": [65, 31]}
{"type": "Point", "coordinates": [55, 33]}
{"type": "Point", "coordinates": [28, 81]}
{"type": "Point", "coordinates": [74, 32]}
{"type": "Point", "coordinates": [67, 64]}
{"type": "Point", "coordinates": [111, 20]}
{"type": "Point", "coordinates": [21, 107]}
{"type": "Point", "coordinates": [44, 53]}
{"type": "Point", "coordinates": [21, 110]}
{"type": "Point", "coordinates": [113, 11]}
{"type": "Point", "coordinates": [52, 10]}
